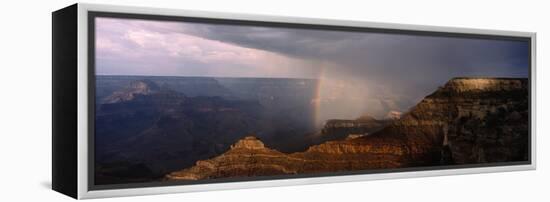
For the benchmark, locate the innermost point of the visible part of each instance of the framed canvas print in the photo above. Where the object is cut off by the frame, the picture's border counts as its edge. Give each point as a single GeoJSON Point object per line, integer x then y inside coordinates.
{"type": "Point", "coordinates": [150, 101]}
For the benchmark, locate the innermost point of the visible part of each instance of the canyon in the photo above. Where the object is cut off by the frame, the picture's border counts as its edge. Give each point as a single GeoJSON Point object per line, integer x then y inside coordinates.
{"type": "Point", "coordinates": [465, 121]}
{"type": "Point", "coordinates": [147, 126]}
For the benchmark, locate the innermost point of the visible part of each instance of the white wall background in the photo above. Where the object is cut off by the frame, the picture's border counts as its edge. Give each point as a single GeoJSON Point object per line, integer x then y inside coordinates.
{"type": "Point", "coordinates": [25, 90]}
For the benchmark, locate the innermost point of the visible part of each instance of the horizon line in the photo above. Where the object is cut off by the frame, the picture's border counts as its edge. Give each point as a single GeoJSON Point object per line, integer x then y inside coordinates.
{"type": "Point", "coordinates": [244, 77]}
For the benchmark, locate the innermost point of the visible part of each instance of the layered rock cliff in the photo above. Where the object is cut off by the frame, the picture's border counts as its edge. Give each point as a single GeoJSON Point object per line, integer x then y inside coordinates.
{"type": "Point", "coordinates": [466, 121]}
{"type": "Point", "coordinates": [247, 157]}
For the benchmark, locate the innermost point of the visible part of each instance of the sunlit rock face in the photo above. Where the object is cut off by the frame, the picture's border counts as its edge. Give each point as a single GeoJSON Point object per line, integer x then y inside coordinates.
{"type": "Point", "coordinates": [466, 121]}
{"type": "Point", "coordinates": [247, 157]}
{"type": "Point", "coordinates": [249, 142]}
{"type": "Point", "coordinates": [485, 84]}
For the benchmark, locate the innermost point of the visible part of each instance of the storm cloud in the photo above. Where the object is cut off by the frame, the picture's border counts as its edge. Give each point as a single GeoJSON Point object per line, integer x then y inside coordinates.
{"type": "Point", "coordinates": [380, 70]}
{"type": "Point", "coordinates": [397, 57]}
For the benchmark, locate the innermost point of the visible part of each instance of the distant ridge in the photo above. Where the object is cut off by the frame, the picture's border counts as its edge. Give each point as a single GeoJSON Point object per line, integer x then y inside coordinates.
{"type": "Point", "coordinates": [135, 88]}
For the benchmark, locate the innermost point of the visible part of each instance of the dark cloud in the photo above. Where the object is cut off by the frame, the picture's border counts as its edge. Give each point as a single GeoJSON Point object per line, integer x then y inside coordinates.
{"type": "Point", "coordinates": [415, 63]}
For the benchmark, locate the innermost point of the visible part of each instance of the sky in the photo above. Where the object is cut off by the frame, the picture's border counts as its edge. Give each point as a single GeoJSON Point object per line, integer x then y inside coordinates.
{"type": "Point", "coordinates": [379, 71]}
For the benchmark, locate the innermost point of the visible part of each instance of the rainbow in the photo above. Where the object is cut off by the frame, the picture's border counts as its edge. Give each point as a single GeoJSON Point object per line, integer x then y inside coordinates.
{"type": "Point", "coordinates": [316, 102]}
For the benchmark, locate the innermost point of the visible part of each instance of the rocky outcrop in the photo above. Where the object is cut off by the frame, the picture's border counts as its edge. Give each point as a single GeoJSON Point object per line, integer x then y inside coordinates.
{"type": "Point", "coordinates": [479, 120]}
{"type": "Point", "coordinates": [393, 115]}
{"type": "Point", "coordinates": [363, 125]}
{"type": "Point", "coordinates": [247, 157]}
{"type": "Point", "coordinates": [135, 88]}
{"type": "Point", "coordinates": [249, 142]}
{"type": "Point", "coordinates": [482, 84]}
{"type": "Point", "coordinates": [466, 121]}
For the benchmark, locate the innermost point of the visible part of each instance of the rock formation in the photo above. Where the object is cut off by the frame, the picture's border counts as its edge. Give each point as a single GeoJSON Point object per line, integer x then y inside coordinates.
{"type": "Point", "coordinates": [363, 125]}
{"type": "Point", "coordinates": [135, 88]}
{"type": "Point", "coordinates": [467, 121]}
{"type": "Point", "coordinates": [393, 115]}
{"type": "Point", "coordinates": [247, 157]}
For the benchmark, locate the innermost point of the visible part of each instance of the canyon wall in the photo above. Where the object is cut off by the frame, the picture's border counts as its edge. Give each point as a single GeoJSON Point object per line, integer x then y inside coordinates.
{"type": "Point", "coordinates": [466, 121]}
